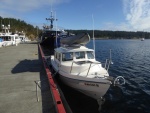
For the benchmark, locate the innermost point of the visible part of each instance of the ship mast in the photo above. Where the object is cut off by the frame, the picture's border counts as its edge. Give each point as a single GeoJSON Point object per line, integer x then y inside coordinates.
{"type": "Point", "coordinates": [4, 28]}
{"type": "Point", "coordinates": [51, 19]}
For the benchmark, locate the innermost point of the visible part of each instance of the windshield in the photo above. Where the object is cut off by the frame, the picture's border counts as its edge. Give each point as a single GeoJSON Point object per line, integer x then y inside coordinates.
{"type": "Point", "coordinates": [6, 38]}
{"type": "Point", "coordinates": [80, 55]}
{"type": "Point", "coordinates": [90, 55]}
{"type": "Point", "coordinates": [67, 56]}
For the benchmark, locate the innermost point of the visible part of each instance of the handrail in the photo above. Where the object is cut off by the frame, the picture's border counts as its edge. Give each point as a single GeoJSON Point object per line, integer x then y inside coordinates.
{"type": "Point", "coordinates": [86, 69]}
{"type": "Point", "coordinates": [106, 63]}
{"type": "Point", "coordinates": [89, 69]}
{"type": "Point", "coordinates": [71, 66]}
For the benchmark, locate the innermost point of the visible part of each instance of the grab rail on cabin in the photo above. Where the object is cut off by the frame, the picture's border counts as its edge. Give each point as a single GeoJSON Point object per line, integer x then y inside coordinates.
{"type": "Point", "coordinates": [107, 64]}
{"type": "Point", "coordinates": [85, 62]}
{"type": "Point", "coordinates": [71, 66]}
{"type": "Point", "coordinates": [115, 81]}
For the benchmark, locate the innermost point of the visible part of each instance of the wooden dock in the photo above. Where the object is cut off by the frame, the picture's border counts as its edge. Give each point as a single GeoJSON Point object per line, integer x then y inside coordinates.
{"type": "Point", "coordinates": [21, 67]}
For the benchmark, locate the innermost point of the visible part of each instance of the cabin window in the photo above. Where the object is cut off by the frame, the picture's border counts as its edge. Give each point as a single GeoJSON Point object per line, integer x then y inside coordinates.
{"type": "Point", "coordinates": [90, 55]}
{"type": "Point", "coordinates": [80, 55]}
{"type": "Point", "coordinates": [6, 38]}
{"type": "Point", "coordinates": [16, 37]}
{"type": "Point", "coordinates": [67, 56]}
{"type": "Point", "coordinates": [59, 57]}
{"type": "Point", "coordinates": [55, 54]}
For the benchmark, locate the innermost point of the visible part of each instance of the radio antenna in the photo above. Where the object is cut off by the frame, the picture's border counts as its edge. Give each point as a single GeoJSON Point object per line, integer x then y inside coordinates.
{"type": "Point", "coordinates": [93, 35]}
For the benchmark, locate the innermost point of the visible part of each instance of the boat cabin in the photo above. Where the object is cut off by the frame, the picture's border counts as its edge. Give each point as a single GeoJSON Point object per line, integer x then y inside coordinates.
{"type": "Point", "coordinates": [9, 37]}
{"type": "Point", "coordinates": [74, 54]}
{"type": "Point", "coordinates": [77, 61]}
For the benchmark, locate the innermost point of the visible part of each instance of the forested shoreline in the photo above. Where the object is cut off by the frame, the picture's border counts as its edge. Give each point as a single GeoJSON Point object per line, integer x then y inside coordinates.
{"type": "Point", "coordinates": [105, 34]}
{"type": "Point", "coordinates": [18, 25]}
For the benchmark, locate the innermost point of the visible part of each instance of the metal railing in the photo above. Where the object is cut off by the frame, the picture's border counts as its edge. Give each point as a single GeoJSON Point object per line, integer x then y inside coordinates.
{"type": "Point", "coordinates": [88, 69]}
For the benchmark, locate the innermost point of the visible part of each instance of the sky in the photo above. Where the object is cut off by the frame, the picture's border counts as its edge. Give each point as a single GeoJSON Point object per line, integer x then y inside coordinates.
{"type": "Point", "coordinates": [116, 15]}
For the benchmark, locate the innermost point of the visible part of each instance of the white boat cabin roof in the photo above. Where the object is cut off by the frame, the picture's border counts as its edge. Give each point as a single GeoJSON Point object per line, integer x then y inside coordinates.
{"type": "Point", "coordinates": [72, 49]}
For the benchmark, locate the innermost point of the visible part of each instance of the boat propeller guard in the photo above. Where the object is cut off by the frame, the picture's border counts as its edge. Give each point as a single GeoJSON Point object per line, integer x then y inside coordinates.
{"type": "Point", "coordinates": [119, 81]}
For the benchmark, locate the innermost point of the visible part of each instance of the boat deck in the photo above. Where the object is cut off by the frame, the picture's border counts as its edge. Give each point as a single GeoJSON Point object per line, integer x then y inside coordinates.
{"type": "Point", "coordinates": [20, 67]}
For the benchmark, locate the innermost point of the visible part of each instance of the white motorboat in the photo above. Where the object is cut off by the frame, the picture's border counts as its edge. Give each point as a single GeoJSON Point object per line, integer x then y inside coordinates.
{"type": "Point", "coordinates": [23, 37]}
{"type": "Point", "coordinates": [1, 41]}
{"type": "Point", "coordinates": [142, 39]}
{"type": "Point", "coordinates": [78, 68]}
{"type": "Point", "coordinates": [9, 38]}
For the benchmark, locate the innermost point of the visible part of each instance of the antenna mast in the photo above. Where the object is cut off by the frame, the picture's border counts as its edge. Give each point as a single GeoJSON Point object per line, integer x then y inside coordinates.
{"type": "Point", "coordinates": [51, 19]}
{"type": "Point", "coordinates": [93, 36]}
{"type": "Point", "coordinates": [56, 30]}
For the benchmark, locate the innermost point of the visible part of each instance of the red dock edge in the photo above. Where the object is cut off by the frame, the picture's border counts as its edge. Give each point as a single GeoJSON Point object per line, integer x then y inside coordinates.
{"type": "Point", "coordinates": [56, 96]}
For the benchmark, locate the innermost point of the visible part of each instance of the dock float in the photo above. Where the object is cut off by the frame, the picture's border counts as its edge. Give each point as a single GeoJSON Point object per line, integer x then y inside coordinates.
{"type": "Point", "coordinates": [20, 67]}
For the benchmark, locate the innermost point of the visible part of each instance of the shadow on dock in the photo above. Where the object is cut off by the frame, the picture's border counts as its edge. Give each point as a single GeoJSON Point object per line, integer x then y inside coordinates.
{"type": "Point", "coordinates": [26, 66]}
{"type": "Point", "coordinates": [37, 66]}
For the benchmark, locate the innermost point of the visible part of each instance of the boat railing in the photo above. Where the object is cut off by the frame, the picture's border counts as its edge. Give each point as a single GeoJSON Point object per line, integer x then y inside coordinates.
{"type": "Point", "coordinates": [92, 66]}
{"type": "Point", "coordinates": [88, 69]}
{"type": "Point", "coordinates": [108, 62]}
{"type": "Point", "coordinates": [115, 81]}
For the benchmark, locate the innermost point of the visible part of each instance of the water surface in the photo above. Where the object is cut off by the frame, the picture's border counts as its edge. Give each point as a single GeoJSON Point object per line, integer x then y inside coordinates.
{"type": "Point", "coordinates": [131, 60]}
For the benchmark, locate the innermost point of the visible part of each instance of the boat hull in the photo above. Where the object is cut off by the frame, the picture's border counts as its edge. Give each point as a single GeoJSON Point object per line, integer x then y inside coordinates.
{"type": "Point", "coordinates": [48, 41]}
{"type": "Point", "coordinates": [47, 38]}
{"type": "Point", "coordinates": [1, 43]}
{"type": "Point", "coordinates": [93, 89]}
{"type": "Point", "coordinates": [8, 43]}
{"type": "Point", "coordinates": [89, 84]}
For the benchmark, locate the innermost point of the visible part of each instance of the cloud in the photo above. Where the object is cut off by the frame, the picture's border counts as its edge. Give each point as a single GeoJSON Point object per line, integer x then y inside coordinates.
{"type": "Point", "coordinates": [137, 14]}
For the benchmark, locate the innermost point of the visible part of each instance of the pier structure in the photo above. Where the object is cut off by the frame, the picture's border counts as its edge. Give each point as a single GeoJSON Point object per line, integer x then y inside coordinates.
{"type": "Point", "coordinates": [22, 68]}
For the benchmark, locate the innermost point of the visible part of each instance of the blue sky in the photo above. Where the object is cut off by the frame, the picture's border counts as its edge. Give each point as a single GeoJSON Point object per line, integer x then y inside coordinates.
{"type": "Point", "coordinates": [127, 15]}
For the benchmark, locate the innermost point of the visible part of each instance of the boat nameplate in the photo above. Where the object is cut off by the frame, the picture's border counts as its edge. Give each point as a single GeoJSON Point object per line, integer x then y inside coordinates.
{"type": "Point", "coordinates": [89, 84]}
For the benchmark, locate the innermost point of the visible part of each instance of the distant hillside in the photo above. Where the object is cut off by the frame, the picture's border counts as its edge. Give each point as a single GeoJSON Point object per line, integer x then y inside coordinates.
{"type": "Point", "coordinates": [105, 34]}
{"type": "Point", "coordinates": [17, 25]}
{"type": "Point", "coordinates": [31, 31]}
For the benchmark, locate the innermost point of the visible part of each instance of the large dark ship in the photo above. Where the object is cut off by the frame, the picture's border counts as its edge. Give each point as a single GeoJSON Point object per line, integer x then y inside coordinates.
{"type": "Point", "coordinates": [52, 37]}
{"type": "Point", "coordinates": [48, 36]}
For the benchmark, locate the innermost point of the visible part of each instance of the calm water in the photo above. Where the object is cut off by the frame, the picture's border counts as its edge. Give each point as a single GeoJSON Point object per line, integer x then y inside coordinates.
{"type": "Point", "coordinates": [131, 60]}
